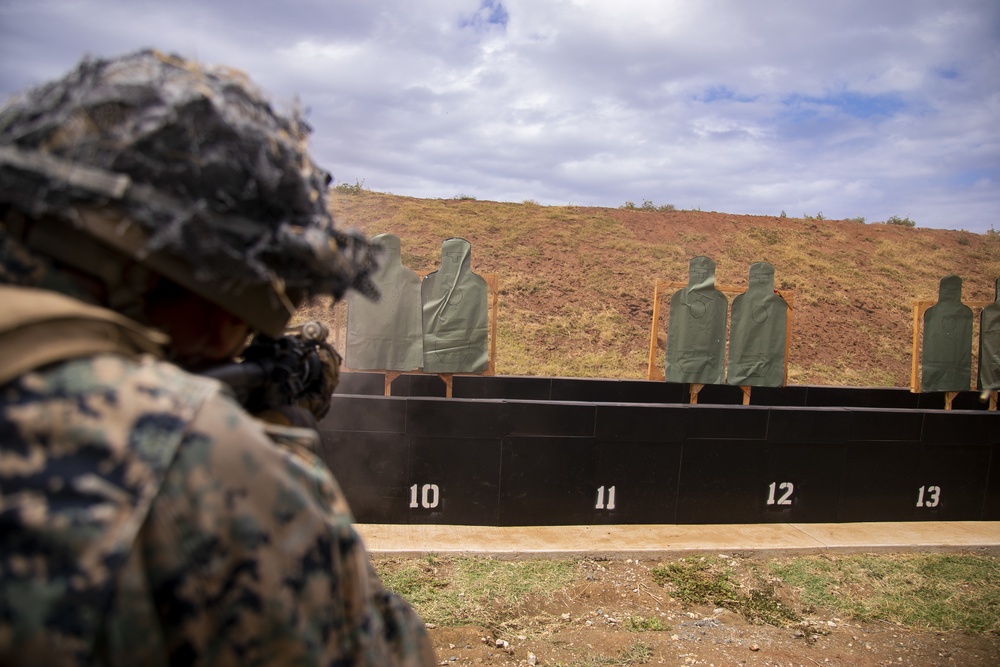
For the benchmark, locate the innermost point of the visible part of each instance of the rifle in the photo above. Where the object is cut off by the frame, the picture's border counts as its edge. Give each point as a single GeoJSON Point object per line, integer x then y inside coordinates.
{"type": "Point", "coordinates": [276, 372]}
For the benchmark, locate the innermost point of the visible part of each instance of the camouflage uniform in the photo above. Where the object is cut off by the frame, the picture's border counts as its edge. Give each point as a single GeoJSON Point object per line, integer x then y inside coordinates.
{"type": "Point", "coordinates": [145, 517]}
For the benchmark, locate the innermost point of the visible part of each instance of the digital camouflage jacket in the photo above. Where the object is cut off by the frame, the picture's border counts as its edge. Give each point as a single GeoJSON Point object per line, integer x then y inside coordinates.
{"type": "Point", "coordinates": [146, 519]}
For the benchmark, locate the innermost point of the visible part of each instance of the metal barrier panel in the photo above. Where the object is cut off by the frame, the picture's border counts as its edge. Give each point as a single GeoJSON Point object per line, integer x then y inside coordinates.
{"type": "Point", "coordinates": [547, 481]}
{"type": "Point", "coordinates": [453, 481]}
{"type": "Point", "coordinates": [373, 471]}
{"type": "Point", "coordinates": [545, 462]}
{"type": "Point", "coordinates": [720, 481]}
{"type": "Point", "coordinates": [363, 441]}
{"type": "Point", "coordinates": [802, 482]}
{"type": "Point", "coordinates": [991, 503]}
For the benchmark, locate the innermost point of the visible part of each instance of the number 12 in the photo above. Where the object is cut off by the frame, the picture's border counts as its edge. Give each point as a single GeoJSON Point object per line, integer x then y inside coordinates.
{"type": "Point", "coordinates": [786, 498]}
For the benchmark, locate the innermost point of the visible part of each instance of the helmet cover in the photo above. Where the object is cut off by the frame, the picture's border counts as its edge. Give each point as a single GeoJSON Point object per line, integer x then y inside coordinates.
{"type": "Point", "coordinates": [217, 186]}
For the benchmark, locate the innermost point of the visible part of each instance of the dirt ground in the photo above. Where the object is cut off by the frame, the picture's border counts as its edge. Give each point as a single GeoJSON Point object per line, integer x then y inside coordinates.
{"type": "Point", "coordinates": [602, 617]}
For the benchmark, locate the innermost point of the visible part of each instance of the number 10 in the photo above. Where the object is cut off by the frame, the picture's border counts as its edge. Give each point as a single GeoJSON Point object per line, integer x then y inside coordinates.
{"type": "Point", "coordinates": [430, 496]}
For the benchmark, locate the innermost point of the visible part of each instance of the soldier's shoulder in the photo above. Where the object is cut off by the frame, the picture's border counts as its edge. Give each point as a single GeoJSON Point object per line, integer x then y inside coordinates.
{"type": "Point", "coordinates": [108, 398]}
{"type": "Point", "coordinates": [137, 379]}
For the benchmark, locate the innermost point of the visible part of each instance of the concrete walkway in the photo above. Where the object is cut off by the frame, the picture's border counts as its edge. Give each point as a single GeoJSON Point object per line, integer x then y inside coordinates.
{"type": "Point", "coordinates": [677, 540]}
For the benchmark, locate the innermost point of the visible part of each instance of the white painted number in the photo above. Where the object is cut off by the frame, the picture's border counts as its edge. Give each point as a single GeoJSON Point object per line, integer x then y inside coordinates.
{"type": "Point", "coordinates": [931, 498]}
{"type": "Point", "coordinates": [786, 497]}
{"type": "Point", "coordinates": [430, 494]}
{"type": "Point", "coordinates": [600, 498]}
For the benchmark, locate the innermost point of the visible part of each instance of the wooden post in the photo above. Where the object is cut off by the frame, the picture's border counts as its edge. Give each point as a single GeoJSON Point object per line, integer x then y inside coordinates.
{"type": "Point", "coordinates": [949, 396]}
{"type": "Point", "coordinates": [789, 298]}
{"type": "Point", "coordinates": [652, 373]}
{"type": "Point", "coordinates": [918, 310]}
{"type": "Point", "coordinates": [336, 327]}
{"type": "Point", "coordinates": [389, 377]}
{"type": "Point", "coordinates": [746, 389]}
{"type": "Point", "coordinates": [447, 379]}
{"type": "Point", "coordinates": [491, 283]}
{"type": "Point", "coordinates": [694, 389]}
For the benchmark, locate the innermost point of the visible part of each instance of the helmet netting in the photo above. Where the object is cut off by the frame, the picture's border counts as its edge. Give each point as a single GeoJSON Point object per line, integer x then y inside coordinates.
{"type": "Point", "coordinates": [215, 176]}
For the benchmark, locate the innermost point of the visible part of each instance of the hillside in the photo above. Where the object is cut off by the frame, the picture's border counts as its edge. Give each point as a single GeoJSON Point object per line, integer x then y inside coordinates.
{"type": "Point", "coordinates": [576, 283]}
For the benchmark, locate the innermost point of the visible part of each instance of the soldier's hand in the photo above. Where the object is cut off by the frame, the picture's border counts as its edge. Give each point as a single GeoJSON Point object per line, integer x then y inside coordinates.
{"type": "Point", "coordinates": [319, 394]}
{"type": "Point", "coordinates": [289, 415]}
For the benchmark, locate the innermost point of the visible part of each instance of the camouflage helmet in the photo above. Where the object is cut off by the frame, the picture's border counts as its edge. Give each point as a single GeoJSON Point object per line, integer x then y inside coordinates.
{"type": "Point", "coordinates": [186, 170]}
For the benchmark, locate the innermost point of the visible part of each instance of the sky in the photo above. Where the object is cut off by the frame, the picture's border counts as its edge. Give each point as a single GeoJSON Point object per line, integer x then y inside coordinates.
{"type": "Point", "coordinates": [845, 108]}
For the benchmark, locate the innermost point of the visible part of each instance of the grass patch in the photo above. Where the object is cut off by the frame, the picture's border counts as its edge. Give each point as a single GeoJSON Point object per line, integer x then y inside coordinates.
{"type": "Point", "coordinates": [647, 205]}
{"type": "Point", "coordinates": [695, 581]}
{"type": "Point", "coordinates": [902, 222]}
{"type": "Point", "coordinates": [592, 337]}
{"type": "Point", "coordinates": [704, 581]}
{"type": "Point", "coordinates": [643, 624]}
{"type": "Point", "coordinates": [634, 654]}
{"type": "Point", "coordinates": [765, 235]}
{"type": "Point", "coordinates": [348, 189]}
{"type": "Point", "coordinates": [473, 591]}
{"type": "Point", "coordinates": [940, 592]}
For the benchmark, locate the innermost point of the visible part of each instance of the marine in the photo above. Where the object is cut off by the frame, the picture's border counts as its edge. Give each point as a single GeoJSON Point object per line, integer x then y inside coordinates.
{"type": "Point", "coordinates": [154, 213]}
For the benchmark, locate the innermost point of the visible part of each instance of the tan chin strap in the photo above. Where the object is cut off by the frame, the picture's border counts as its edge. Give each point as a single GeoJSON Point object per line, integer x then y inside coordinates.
{"type": "Point", "coordinates": [125, 282]}
{"type": "Point", "coordinates": [39, 327]}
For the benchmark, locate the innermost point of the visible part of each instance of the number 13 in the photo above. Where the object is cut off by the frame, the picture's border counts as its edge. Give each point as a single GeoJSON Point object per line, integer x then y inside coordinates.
{"type": "Point", "coordinates": [932, 498]}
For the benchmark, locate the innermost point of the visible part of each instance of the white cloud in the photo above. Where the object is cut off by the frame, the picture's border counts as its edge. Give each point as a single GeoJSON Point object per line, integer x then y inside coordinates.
{"type": "Point", "coordinates": [853, 108]}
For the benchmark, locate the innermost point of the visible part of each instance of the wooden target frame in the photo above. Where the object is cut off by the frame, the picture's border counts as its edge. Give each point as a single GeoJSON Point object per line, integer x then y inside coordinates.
{"type": "Point", "coordinates": [919, 308]}
{"type": "Point", "coordinates": [664, 288]}
{"type": "Point", "coordinates": [493, 297]}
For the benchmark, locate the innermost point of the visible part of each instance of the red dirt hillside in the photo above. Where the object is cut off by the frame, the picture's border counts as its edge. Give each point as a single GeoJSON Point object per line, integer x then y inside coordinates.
{"type": "Point", "coordinates": [576, 283]}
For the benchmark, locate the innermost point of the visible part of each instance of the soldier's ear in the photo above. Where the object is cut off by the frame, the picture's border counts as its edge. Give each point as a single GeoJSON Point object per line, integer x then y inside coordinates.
{"type": "Point", "coordinates": [225, 334]}
{"type": "Point", "coordinates": [201, 333]}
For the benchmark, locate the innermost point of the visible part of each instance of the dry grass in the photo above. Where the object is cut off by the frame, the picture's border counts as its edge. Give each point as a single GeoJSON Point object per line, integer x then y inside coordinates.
{"type": "Point", "coordinates": [936, 591]}
{"type": "Point", "coordinates": [943, 592]}
{"type": "Point", "coordinates": [489, 593]}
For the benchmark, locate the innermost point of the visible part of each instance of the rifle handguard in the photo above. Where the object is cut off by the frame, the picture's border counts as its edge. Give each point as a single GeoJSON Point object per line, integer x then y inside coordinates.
{"type": "Point", "coordinates": [290, 370]}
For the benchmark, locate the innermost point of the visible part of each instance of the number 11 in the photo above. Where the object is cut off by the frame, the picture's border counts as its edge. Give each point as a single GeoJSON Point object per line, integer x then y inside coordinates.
{"type": "Point", "coordinates": [600, 498]}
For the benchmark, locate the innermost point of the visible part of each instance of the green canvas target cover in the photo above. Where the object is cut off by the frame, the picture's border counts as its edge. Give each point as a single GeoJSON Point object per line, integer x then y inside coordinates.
{"type": "Point", "coordinates": [947, 349]}
{"type": "Point", "coordinates": [386, 334]}
{"type": "Point", "coordinates": [989, 343]}
{"type": "Point", "coordinates": [455, 304]}
{"type": "Point", "coordinates": [757, 332]}
{"type": "Point", "coordinates": [696, 330]}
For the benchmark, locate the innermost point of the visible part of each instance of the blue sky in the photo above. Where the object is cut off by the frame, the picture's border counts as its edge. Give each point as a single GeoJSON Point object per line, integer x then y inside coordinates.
{"type": "Point", "coordinates": [850, 108]}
